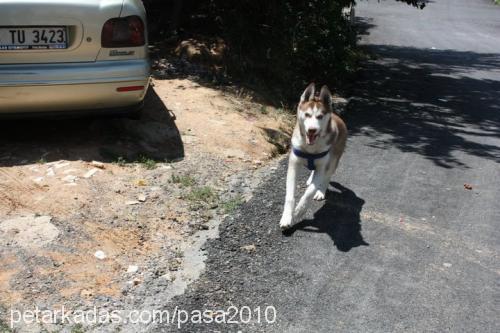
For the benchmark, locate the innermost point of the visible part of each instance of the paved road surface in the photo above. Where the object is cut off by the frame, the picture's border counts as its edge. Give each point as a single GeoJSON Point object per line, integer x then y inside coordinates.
{"type": "Point", "coordinates": [402, 246]}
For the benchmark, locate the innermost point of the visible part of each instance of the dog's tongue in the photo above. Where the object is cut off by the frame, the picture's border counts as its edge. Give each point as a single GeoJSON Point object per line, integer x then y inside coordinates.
{"type": "Point", "coordinates": [311, 138]}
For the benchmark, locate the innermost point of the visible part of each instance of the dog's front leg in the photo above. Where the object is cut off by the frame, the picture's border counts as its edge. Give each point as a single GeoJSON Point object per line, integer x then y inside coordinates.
{"type": "Point", "coordinates": [316, 186]}
{"type": "Point", "coordinates": [291, 179]}
{"type": "Point", "coordinates": [310, 179]}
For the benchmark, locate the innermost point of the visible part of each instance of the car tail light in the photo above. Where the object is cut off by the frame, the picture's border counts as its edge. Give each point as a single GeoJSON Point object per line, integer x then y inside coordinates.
{"type": "Point", "coordinates": [123, 32]}
{"type": "Point", "coordinates": [129, 88]}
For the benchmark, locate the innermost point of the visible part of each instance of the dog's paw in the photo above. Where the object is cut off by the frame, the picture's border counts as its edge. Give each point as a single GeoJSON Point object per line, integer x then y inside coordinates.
{"type": "Point", "coordinates": [299, 213]}
{"type": "Point", "coordinates": [319, 195]}
{"type": "Point", "coordinates": [286, 222]}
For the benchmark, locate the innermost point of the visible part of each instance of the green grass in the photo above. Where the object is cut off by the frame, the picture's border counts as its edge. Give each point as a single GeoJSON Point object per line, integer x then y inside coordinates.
{"type": "Point", "coordinates": [120, 161]}
{"type": "Point", "coordinates": [231, 205]}
{"type": "Point", "coordinates": [42, 160]}
{"type": "Point", "coordinates": [4, 328]}
{"type": "Point", "coordinates": [143, 160]}
{"type": "Point", "coordinates": [282, 110]}
{"type": "Point", "coordinates": [204, 194]}
{"type": "Point", "coordinates": [183, 180]}
{"type": "Point", "coordinates": [147, 162]}
{"type": "Point", "coordinates": [78, 328]}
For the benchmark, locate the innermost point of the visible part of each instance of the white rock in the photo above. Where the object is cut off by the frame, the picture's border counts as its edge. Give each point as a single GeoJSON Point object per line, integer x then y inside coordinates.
{"type": "Point", "coordinates": [61, 165]}
{"type": "Point", "coordinates": [141, 197]}
{"type": "Point", "coordinates": [447, 264]}
{"type": "Point", "coordinates": [132, 269]}
{"type": "Point", "coordinates": [132, 202]}
{"type": "Point", "coordinates": [97, 164]}
{"type": "Point", "coordinates": [38, 179]}
{"type": "Point", "coordinates": [50, 172]}
{"type": "Point", "coordinates": [249, 248]}
{"type": "Point", "coordinates": [70, 179]}
{"type": "Point", "coordinates": [90, 173]}
{"type": "Point", "coordinates": [168, 277]}
{"type": "Point", "coordinates": [100, 255]}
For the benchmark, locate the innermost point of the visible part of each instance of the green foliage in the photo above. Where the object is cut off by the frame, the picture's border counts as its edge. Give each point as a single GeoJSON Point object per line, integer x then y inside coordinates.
{"type": "Point", "coordinates": [415, 3]}
{"type": "Point", "coordinates": [147, 162]}
{"type": "Point", "coordinates": [120, 161]}
{"type": "Point", "coordinates": [4, 328]}
{"type": "Point", "coordinates": [287, 44]}
{"type": "Point", "coordinates": [278, 46]}
{"type": "Point", "coordinates": [231, 205]}
{"type": "Point", "coordinates": [183, 180]}
{"type": "Point", "coordinates": [78, 328]}
{"type": "Point", "coordinates": [204, 194]}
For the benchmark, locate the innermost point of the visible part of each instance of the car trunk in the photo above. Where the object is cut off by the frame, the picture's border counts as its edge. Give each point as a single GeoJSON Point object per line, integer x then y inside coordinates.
{"type": "Point", "coordinates": [82, 22]}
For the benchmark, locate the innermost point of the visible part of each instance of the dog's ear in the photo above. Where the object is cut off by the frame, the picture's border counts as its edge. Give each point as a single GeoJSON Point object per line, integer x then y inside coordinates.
{"type": "Point", "coordinates": [308, 94]}
{"type": "Point", "coordinates": [325, 96]}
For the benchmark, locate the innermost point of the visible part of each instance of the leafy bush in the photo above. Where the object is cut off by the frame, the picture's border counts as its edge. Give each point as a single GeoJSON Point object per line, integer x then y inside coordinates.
{"type": "Point", "coordinates": [286, 44]}
{"type": "Point", "coordinates": [415, 3]}
{"type": "Point", "coordinates": [280, 45]}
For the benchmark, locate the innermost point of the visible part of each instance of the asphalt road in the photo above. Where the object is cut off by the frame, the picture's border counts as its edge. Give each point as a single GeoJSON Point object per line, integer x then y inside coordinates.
{"type": "Point", "coordinates": [402, 245]}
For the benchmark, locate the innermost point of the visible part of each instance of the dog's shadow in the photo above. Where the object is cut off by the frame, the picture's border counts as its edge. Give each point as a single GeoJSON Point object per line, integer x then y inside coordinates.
{"type": "Point", "coordinates": [339, 218]}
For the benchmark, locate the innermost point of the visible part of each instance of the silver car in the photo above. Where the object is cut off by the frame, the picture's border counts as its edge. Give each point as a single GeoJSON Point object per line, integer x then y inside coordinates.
{"type": "Point", "coordinates": [72, 55]}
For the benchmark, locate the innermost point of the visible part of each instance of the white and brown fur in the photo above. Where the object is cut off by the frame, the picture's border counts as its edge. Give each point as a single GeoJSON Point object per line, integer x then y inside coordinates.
{"type": "Point", "coordinates": [318, 129]}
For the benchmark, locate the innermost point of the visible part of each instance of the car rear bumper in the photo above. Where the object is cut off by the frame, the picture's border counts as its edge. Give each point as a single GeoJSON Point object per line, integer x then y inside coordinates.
{"type": "Point", "coordinates": [70, 87]}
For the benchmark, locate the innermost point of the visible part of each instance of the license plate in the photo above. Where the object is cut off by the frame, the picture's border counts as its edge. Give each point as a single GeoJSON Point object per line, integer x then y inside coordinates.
{"type": "Point", "coordinates": [33, 38]}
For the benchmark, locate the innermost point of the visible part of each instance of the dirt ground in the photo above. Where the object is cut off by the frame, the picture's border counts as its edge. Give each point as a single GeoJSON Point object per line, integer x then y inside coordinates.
{"type": "Point", "coordinates": [101, 211]}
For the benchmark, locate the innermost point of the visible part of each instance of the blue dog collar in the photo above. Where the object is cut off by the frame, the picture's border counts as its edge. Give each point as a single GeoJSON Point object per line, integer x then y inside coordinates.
{"type": "Point", "coordinates": [309, 157]}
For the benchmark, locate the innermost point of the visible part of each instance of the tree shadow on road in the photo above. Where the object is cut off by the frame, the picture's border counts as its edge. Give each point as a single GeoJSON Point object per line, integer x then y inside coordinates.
{"type": "Point", "coordinates": [441, 104]}
{"type": "Point", "coordinates": [339, 218]}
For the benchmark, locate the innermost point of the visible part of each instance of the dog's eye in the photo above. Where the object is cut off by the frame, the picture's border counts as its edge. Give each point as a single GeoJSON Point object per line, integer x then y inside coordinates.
{"type": "Point", "coordinates": [319, 117]}
{"type": "Point", "coordinates": [308, 115]}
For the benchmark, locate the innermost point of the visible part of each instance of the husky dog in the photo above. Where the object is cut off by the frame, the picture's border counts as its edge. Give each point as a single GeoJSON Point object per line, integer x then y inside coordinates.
{"type": "Point", "coordinates": [318, 142]}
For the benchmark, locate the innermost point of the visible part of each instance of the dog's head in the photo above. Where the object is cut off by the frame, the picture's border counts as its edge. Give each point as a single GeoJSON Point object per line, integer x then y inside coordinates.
{"type": "Point", "coordinates": [314, 113]}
